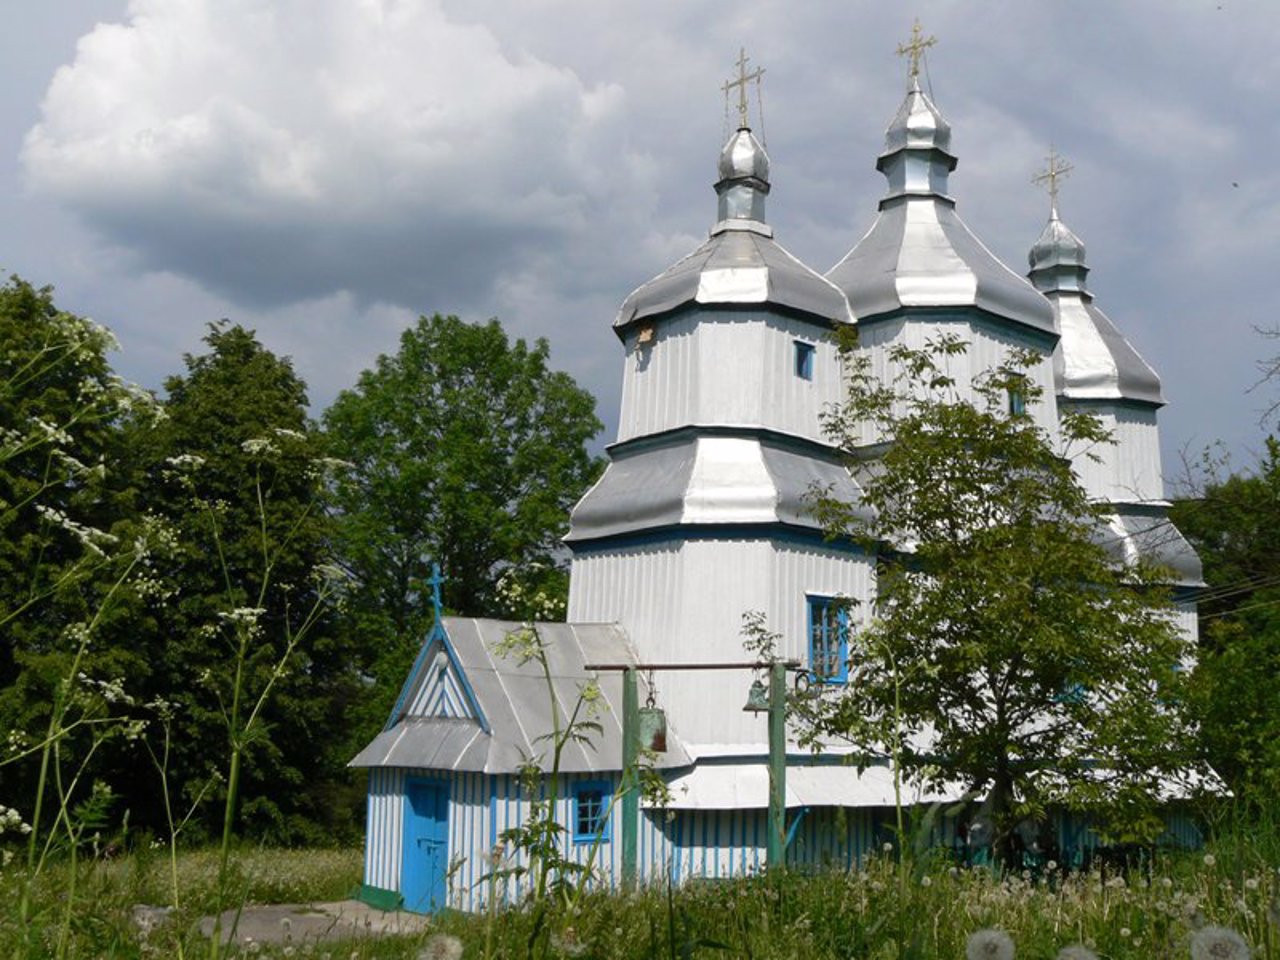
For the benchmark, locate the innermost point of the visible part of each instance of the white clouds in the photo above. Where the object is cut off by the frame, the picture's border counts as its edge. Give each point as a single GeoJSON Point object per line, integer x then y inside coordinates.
{"type": "Point", "coordinates": [278, 150]}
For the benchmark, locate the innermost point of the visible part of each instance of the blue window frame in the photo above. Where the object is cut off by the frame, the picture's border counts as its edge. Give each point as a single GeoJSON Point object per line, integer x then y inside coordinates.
{"type": "Point", "coordinates": [591, 811]}
{"type": "Point", "coordinates": [1017, 401]}
{"type": "Point", "coordinates": [828, 639]}
{"type": "Point", "coordinates": [804, 360]}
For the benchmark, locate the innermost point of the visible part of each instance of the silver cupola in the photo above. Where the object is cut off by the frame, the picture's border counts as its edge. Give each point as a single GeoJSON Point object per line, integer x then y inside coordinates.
{"type": "Point", "coordinates": [1095, 361]}
{"type": "Point", "coordinates": [744, 179]}
{"type": "Point", "coordinates": [919, 254]}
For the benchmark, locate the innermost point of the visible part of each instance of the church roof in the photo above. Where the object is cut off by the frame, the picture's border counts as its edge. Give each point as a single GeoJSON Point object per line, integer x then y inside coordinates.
{"type": "Point", "coordinates": [467, 707]}
{"type": "Point", "coordinates": [693, 477]}
{"type": "Point", "coordinates": [1096, 362]}
{"type": "Point", "coordinates": [919, 253]}
{"type": "Point", "coordinates": [740, 263]}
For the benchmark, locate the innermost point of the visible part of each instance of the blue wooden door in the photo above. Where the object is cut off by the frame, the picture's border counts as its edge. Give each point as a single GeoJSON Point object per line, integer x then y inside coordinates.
{"type": "Point", "coordinates": [426, 846]}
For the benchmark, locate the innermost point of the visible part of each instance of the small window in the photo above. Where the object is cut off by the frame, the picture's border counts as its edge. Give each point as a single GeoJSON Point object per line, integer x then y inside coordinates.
{"type": "Point", "coordinates": [804, 360]}
{"type": "Point", "coordinates": [591, 811]}
{"type": "Point", "coordinates": [828, 639]}
{"type": "Point", "coordinates": [1017, 401]}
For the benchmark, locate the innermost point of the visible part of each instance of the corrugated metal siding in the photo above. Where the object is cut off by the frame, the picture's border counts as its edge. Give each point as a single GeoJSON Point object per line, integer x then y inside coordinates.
{"type": "Point", "coordinates": [686, 603]}
{"type": "Point", "coordinates": [384, 828]}
{"type": "Point", "coordinates": [1128, 469]}
{"type": "Point", "coordinates": [988, 348]}
{"type": "Point", "coordinates": [727, 368]}
{"type": "Point", "coordinates": [442, 694]}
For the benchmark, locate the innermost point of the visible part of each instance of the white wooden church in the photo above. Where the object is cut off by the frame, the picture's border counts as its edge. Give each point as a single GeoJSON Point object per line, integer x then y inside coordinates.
{"type": "Point", "coordinates": [700, 516]}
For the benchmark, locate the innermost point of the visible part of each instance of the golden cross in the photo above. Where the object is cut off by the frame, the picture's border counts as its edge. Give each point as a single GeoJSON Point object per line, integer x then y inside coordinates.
{"type": "Point", "coordinates": [915, 49]}
{"type": "Point", "coordinates": [741, 83]}
{"type": "Point", "coordinates": [1057, 169]}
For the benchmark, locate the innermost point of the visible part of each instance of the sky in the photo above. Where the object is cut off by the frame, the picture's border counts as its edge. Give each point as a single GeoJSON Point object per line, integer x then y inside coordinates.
{"type": "Point", "coordinates": [324, 171]}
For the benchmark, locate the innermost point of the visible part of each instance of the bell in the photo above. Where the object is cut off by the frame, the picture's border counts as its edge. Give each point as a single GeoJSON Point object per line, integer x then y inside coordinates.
{"type": "Point", "coordinates": [653, 729]}
{"type": "Point", "coordinates": [757, 698]}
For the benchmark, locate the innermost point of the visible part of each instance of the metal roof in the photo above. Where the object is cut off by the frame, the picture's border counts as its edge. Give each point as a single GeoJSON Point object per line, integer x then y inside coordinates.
{"type": "Point", "coordinates": [693, 478]}
{"type": "Point", "coordinates": [745, 786]}
{"type": "Point", "coordinates": [514, 700]}
{"type": "Point", "coordinates": [1150, 535]}
{"type": "Point", "coordinates": [740, 262]}
{"type": "Point", "coordinates": [919, 253]}
{"type": "Point", "coordinates": [1096, 362]}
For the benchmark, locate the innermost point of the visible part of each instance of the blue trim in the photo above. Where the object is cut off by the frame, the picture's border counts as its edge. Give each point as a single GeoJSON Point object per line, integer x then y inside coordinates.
{"type": "Point", "coordinates": [778, 532]}
{"type": "Point", "coordinates": [595, 807]}
{"type": "Point", "coordinates": [795, 825]}
{"type": "Point", "coordinates": [415, 678]}
{"type": "Point", "coordinates": [804, 353]}
{"type": "Point", "coordinates": [819, 609]}
{"type": "Point", "coordinates": [674, 436]}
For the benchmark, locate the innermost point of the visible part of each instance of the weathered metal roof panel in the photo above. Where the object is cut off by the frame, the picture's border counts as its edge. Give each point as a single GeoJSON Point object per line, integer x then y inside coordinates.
{"type": "Point", "coordinates": [708, 480]}
{"type": "Point", "coordinates": [919, 253]}
{"type": "Point", "coordinates": [739, 264]}
{"type": "Point", "coordinates": [517, 703]}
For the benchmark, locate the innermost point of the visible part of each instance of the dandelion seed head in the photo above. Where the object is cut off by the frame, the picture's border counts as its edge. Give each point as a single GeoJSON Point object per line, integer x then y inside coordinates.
{"type": "Point", "coordinates": [989, 945]}
{"type": "Point", "coordinates": [1210, 860]}
{"type": "Point", "coordinates": [441, 947]}
{"type": "Point", "coordinates": [1077, 951]}
{"type": "Point", "coordinates": [1218, 943]}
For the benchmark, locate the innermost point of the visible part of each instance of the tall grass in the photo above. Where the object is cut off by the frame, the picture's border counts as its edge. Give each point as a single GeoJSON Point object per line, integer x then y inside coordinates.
{"type": "Point", "coordinates": [869, 912]}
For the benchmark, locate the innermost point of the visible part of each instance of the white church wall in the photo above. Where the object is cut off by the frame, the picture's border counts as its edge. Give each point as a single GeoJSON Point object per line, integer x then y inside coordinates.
{"type": "Point", "coordinates": [719, 368]}
{"type": "Point", "coordinates": [1128, 470]}
{"type": "Point", "coordinates": [989, 347]}
{"type": "Point", "coordinates": [685, 603]}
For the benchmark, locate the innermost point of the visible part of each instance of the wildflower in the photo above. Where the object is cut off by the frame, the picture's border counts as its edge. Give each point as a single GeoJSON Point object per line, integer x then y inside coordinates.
{"type": "Point", "coordinates": [1051, 866]}
{"type": "Point", "coordinates": [926, 881]}
{"type": "Point", "coordinates": [441, 947]}
{"type": "Point", "coordinates": [567, 944]}
{"type": "Point", "coordinates": [1077, 951]}
{"type": "Point", "coordinates": [1166, 882]}
{"type": "Point", "coordinates": [1210, 859]}
{"type": "Point", "coordinates": [1125, 933]}
{"type": "Point", "coordinates": [1218, 943]}
{"type": "Point", "coordinates": [990, 945]}
{"type": "Point", "coordinates": [1251, 883]}
{"type": "Point", "coordinates": [888, 847]}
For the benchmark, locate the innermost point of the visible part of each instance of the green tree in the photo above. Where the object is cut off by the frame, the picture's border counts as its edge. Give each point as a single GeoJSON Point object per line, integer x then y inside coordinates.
{"type": "Point", "coordinates": [466, 450]}
{"type": "Point", "coordinates": [64, 524]}
{"type": "Point", "coordinates": [1234, 524]}
{"type": "Point", "coordinates": [1006, 651]}
{"type": "Point", "coordinates": [233, 470]}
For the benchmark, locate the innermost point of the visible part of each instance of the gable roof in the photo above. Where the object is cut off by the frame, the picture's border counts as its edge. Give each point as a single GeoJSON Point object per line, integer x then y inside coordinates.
{"type": "Point", "coordinates": [465, 707]}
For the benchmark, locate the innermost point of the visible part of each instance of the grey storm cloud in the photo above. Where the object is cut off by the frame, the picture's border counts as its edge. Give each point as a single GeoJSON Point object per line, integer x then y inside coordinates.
{"type": "Point", "coordinates": [336, 165]}
{"type": "Point", "coordinates": [279, 152]}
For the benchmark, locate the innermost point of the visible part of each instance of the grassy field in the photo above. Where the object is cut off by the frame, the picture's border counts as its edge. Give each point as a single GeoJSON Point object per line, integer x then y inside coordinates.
{"type": "Point", "coordinates": [882, 911]}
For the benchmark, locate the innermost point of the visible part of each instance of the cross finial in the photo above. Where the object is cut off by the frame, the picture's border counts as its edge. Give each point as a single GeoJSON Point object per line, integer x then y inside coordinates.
{"type": "Point", "coordinates": [434, 582]}
{"type": "Point", "coordinates": [915, 49]}
{"type": "Point", "coordinates": [741, 83]}
{"type": "Point", "coordinates": [1055, 169]}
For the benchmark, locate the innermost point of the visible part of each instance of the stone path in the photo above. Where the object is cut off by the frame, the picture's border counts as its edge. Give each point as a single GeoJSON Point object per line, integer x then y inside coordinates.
{"type": "Point", "coordinates": [312, 923]}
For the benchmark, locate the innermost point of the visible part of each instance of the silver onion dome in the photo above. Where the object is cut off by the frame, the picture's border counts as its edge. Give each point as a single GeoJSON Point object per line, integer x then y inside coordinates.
{"type": "Point", "coordinates": [740, 263]}
{"type": "Point", "coordinates": [1095, 361]}
{"type": "Point", "coordinates": [919, 253]}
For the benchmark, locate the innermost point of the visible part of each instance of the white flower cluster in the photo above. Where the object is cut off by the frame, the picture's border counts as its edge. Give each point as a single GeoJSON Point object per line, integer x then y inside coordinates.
{"type": "Point", "coordinates": [11, 821]}
{"type": "Point", "coordinates": [91, 537]}
{"type": "Point", "coordinates": [111, 691]}
{"type": "Point", "coordinates": [244, 618]}
{"type": "Point", "coordinates": [259, 447]}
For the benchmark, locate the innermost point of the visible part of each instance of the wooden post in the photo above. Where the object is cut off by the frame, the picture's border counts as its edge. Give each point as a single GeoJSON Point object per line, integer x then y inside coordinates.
{"type": "Point", "coordinates": [630, 780]}
{"type": "Point", "coordinates": [777, 765]}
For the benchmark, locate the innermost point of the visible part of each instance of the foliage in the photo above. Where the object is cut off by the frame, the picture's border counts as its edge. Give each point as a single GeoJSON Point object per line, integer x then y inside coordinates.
{"type": "Point", "coordinates": [1023, 662]}
{"type": "Point", "coordinates": [237, 473]}
{"type": "Point", "coordinates": [1233, 521]}
{"type": "Point", "coordinates": [466, 450]}
{"type": "Point", "coordinates": [854, 913]}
